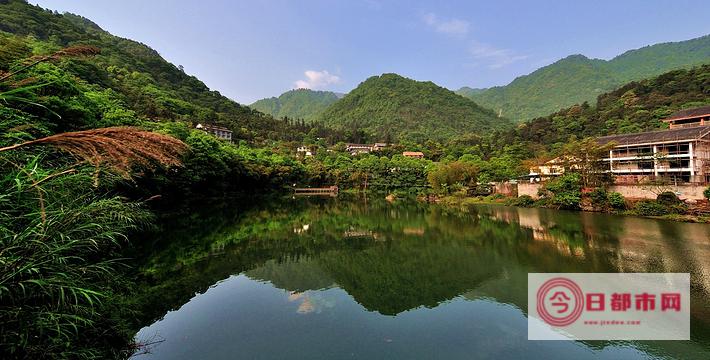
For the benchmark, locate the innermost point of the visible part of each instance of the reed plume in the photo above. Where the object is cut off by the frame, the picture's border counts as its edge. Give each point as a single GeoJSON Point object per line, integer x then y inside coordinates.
{"type": "Point", "coordinates": [119, 148]}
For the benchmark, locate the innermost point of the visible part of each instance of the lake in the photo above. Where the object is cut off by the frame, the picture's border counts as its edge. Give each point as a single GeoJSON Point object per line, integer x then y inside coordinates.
{"type": "Point", "coordinates": [333, 278]}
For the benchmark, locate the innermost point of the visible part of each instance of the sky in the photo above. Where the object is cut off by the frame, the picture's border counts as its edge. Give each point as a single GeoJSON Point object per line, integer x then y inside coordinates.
{"type": "Point", "coordinates": [249, 50]}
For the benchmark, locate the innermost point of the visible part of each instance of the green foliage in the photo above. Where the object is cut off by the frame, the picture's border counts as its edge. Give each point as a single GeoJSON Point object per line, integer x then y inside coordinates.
{"type": "Point", "coordinates": [577, 79]}
{"type": "Point", "coordinates": [650, 208]}
{"type": "Point", "coordinates": [664, 205]}
{"type": "Point", "coordinates": [634, 107]}
{"type": "Point", "coordinates": [565, 192]}
{"type": "Point", "coordinates": [706, 193]}
{"type": "Point", "coordinates": [403, 109]}
{"type": "Point", "coordinates": [143, 83]}
{"type": "Point", "coordinates": [449, 177]}
{"type": "Point", "coordinates": [522, 201]}
{"type": "Point", "coordinates": [57, 265]}
{"type": "Point", "coordinates": [297, 104]}
{"type": "Point", "coordinates": [599, 197]}
{"type": "Point", "coordinates": [668, 198]}
{"type": "Point", "coordinates": [616, 201]}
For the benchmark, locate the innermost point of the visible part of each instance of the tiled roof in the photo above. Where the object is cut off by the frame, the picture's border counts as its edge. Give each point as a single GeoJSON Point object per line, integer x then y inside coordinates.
{"type": "Point", "coordinates": [690, 113]}
{"type": "Point", "coordinates": [689, 133]}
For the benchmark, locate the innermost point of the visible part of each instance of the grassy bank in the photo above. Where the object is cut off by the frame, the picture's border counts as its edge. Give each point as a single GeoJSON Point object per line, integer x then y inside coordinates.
{"type": "Point", "coordinates": [644, 208]}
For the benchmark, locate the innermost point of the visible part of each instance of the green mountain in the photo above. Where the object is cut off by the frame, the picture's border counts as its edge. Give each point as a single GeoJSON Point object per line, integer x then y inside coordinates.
{"type": "Point", "coordinates": [467, 91]}
{"type": "Point", "coordinates": [576, 79]}
{"type": "Point", "coordinates": [394, 107]}
{"type": "Point", "coordinates": [297, 104]}
{"type": "Point", "coordinates": [635, 107]}
{"type": "Point", "coordinates": [126, 71]}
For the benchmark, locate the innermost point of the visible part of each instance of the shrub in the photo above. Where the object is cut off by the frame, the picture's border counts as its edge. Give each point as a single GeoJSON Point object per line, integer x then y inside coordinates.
{"type": "Point", "coordinates": [616, 200]}
{"type": "Point", "coordinates": [599, 197]}
{"type": "Point", "coordinates": [566, 191]}
{"type": "Point", "coordinates": [522, 201]}
{"type": "Point", "coordinates": [706, 193]}
{"type": "Point", "coordinates": [650, 208]}
{"type": "Point", "coordinates": [668, 198]}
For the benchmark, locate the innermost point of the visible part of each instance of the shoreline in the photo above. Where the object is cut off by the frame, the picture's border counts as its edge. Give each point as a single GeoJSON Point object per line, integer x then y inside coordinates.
{"type": "Point", "coordinates": [454, 201]}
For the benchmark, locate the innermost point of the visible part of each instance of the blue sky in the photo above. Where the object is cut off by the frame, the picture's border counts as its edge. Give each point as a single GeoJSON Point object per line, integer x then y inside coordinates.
{"type": "Point", "coordinates": [248, 50]}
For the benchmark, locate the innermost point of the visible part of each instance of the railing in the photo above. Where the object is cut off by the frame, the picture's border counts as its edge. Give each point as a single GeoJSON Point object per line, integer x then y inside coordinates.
{"type": "Point", "coordinates": [330, 191]}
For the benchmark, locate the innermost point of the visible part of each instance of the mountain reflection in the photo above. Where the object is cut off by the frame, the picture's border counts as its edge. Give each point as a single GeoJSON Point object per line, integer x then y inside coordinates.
{"type": "Point", "coordinates": [391, 258]}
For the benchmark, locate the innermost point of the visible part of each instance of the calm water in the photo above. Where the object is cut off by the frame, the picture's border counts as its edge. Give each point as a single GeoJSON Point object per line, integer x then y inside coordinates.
{"type": "Point", "coordinates": [335, 279]}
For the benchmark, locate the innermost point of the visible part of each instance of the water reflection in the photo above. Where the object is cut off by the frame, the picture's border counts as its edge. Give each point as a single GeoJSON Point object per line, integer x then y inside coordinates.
{"type": "Point", "coordinates": [460, 276]}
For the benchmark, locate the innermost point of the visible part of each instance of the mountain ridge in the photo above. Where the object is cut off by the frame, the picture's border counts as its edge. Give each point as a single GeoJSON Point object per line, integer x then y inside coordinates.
{"type": "Point", "coordinates": [577, 78]}
{"type": "Point", "coordinates": [392, 106]}
{"type": "Point", "coordinates": [303, 104]}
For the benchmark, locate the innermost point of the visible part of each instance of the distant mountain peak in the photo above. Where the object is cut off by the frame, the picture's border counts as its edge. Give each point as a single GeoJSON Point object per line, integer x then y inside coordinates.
{"type": "Point", "coordinates": [300, 103]}
{"type": "Point", "coordinates": [577, 78]}
{"type": "Point", "coordinates": [393, 106]}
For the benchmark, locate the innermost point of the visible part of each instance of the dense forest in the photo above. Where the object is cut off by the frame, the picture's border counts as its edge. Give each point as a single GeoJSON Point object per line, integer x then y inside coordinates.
{"type": "Point", "coordinates": [303, 104]}
{"type": "Point", "coordinates": [97, 138]}
{"type": "Point", "coordinates": [577, 79]}
{"type": "Point", "coordinates": [396, 108]}
{"type": "Point", "coordinates": [136, 75]}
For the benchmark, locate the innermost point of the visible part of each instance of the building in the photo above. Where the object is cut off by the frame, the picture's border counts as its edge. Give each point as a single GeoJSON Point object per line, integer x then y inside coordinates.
{"type": "Point", "coordinates": [355, 149]}
{"type": "Point", "coordinates": [689, 118]}
{"type": "Point", "coordinates": [304, 150]}
{"type": "Point", "coordinates": [218, 131]}
{"type": "Point", "coordinates": [552, 168]}
{"type": "Point", "coordinates": [413, 154]}
{"type": "Point", "coordinates": [378, 146]}
{"type": "Point", "coordinates": [680, 154]}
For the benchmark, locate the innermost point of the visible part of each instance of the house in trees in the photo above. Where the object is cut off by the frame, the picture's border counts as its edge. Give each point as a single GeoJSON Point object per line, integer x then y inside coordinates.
{"type": "Point", "coordinates": [689, 118]}
{"type": "Point", "coordinates": [413, 154]}
{"type": "Point", "coordinates": [355, 149]}
{"type": "Point", "coordinates": [548, 169]}
{"type": "Point", "coordinates": [552, 168]}
{"type": "Point", "coordinates": [680, 154]}
{"type": "Point", "coordinates": [218, 131]}
{"type": "Point", "coordinates": [304, 151]}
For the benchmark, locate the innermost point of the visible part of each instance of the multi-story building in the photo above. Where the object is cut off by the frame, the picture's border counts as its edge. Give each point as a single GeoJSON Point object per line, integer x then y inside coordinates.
{"type": "Point", "coordinates": [218, 131]}
{"type": "Point", "coordinates": [680, 154]}
{"type": "Point", "coordinates": [355, 149]}
{"type": "Point", "coordinates": [413, 154]}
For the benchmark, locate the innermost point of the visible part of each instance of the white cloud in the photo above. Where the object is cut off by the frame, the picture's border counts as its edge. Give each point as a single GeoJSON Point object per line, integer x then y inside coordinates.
{"type": "Point", "coordinates": [451, 26]}
{"type": "Point", "coordinates": [316, 80]}
{"type": "Point", "coordinates": [495, 58]}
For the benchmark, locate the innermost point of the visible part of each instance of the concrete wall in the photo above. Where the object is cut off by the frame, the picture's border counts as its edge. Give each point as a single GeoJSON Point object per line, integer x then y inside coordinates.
{"type": "Point", "coordinates": [525, 188]}
{"type": "Point", "coordinates": [505, 188]}
{"type": "Point", "coordinates": [684, 192]}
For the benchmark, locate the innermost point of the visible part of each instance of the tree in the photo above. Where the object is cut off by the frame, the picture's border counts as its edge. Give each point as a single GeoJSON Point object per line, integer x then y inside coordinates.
{"type": "Point", "coordinates": [565, 192]}
{"type": "Point", "coordinates": [586, 158]}
{"type": "Point", "coordinates": [446, 177]}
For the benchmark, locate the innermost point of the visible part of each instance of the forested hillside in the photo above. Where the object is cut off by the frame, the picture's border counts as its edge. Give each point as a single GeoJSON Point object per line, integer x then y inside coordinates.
{"type": "Point", "coordinates": [303, 104]}
{"type": "Point", "coordinates": [125, 71]}
{"type": "Point", "coordinates": [396, 108]}
{"type": "Point", "coordinates": [634, 107]}
{"type": "Point", "coordinates": [576, 79]}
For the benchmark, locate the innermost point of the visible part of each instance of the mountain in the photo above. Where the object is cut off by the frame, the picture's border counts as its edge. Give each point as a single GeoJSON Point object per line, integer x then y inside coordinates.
{"type": "Point", "coordinates": [467, 91]}
{"type": "Point", "coordinates": [127, 71]}
{"type": "Point", "coordinates": [394, 107]}
{"type": "Point", "coordinates": [635, 107]}
{"type": "Point", "coordinates": [576, 79]}
{"type": "Point", "coordinates": [297, 104]}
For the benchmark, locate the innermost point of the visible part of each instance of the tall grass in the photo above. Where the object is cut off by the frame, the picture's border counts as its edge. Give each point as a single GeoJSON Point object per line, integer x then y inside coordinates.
{"type": "Point", "coordinates": [60, 231]}
{"type": "Point", "coordinates": [60, 236]}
